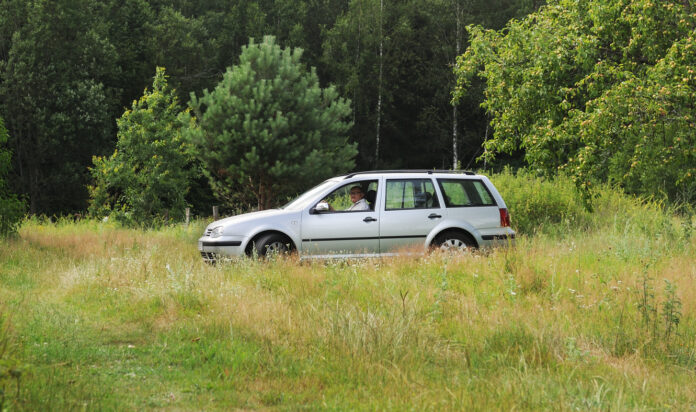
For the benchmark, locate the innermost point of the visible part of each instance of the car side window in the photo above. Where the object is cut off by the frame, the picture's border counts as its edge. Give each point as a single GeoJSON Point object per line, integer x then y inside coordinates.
{"type": "Point", "coordinates": [411, 194]}
{"type": "Point", "coordinates": [460, 192]}
{"type": "Point", "coordinates": [340, 200]}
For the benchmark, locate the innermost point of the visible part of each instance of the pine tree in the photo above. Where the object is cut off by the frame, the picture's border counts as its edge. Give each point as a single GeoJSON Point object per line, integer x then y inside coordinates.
{"type": "Point", "coordinates": [269, 128]}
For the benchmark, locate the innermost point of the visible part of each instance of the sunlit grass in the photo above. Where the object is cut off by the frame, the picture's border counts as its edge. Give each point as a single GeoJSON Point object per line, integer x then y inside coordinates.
{"type": "Point", "coordinates": [112, 318]}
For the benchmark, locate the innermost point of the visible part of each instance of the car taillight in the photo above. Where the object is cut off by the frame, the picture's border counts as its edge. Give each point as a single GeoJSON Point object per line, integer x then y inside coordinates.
{"type": "Point", "coordinates": [504, 217]}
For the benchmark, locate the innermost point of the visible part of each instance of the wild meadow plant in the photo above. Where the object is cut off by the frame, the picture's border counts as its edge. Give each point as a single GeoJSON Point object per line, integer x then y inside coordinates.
{"type": "Point", "coordinates": [586, 311]}
{"type": "Point", "coordinates": [12, 370]}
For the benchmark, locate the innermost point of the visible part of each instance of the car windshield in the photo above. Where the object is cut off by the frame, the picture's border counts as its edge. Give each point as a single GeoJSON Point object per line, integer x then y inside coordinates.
{"type": "Point", "coordinates": [306, 198]}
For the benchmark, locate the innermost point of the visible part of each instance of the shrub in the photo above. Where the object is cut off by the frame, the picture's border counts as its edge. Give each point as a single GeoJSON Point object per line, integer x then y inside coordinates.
{"type": "Point", "coordinates": [540, 204]}
{"type": "Point", "coordinates": [146, 179]}
{"type": "Point", "coordinates": [12, 371]}
{"type": "Point", "coordinates": [555, 206]}
{"type": "Point", "coordinates": [11, 207]}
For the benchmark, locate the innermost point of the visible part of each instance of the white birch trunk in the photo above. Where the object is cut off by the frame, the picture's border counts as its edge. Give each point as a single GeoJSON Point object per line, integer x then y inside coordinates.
{"type": "Point", "coordinates": [485, 139]}
{"type": "Point", "coordinates": [357, 63]}
{"type": "Point", "coordinates": [379, 87]}
{"type": "Point", "coordinates": [455, 158]}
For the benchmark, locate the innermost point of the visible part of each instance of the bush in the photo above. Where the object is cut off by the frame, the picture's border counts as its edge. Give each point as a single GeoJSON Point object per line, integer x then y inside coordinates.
{"type": "Point", "coordinates": [541, 204]}
{"type": "Point", "coordinates": [12, 370]}
{"type": "Point", "coordinates": [145, 181]}
{"type": "Point", "coordinates": [12, 211]}
{"type": "Point", "coordinates": [11, 207]}
{"type": "Point", "coordinates": [555, 206]}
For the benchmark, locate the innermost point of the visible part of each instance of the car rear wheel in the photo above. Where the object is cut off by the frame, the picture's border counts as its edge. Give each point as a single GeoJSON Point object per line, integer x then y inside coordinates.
{"type": "Point", "coordinates": [272, 244]}
{"type": "Point", "coordinates": [451, 241]}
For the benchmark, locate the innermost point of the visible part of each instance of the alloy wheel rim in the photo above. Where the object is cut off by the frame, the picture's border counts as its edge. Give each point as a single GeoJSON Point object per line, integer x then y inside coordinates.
{"type": "Point", "coordinates": [453, 244]}
{"type": "Point", "coordinates": [276, 247]}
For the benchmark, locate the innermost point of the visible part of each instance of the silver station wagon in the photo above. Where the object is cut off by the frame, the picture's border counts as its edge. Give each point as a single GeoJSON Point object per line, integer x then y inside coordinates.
{"type": "Point", "coordinates": [369, 214]}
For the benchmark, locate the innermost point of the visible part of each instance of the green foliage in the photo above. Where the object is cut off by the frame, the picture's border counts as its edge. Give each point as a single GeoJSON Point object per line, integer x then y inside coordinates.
{"type": "Point", "coordinates": [11, 207]}
{"type": "Point", "coordinates": [419, 41]}
{"type": "Point", "coordinates": [646, 304]}
{"type": "Point", "coordinates": [601, 89]}
{"type": "Point", "coordinates": [539, 204]}
{"type": "Point", "coordinates": [146, 179]}
{"type": "Point", "coordinates": [12, 369]}
{"type": "Point", "coordinates": [658, 325]}
{"type": "Point", "coordinates": [55, 99]}
{"type": "Point", "coordinates": [68, 68]}
{"type": "Point", "coordinates": [553, 206]}
{"type": "Point", "coordinates": [130, 29]}
{"type": "Point", "coordinates": [671, 309]}
{"type": "Point", "coordinates": [181, 43]}
{"type": "Point", "coordinates": [269, 128]}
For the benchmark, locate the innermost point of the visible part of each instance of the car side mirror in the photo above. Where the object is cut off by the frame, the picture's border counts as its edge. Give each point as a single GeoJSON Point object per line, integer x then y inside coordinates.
{"type": "Point", "coordinates": [320, 207]}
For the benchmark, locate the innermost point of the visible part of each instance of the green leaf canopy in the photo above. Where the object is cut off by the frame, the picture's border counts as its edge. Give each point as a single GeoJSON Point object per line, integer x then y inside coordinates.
{"type": "Point", "coordinates": [601, 89]}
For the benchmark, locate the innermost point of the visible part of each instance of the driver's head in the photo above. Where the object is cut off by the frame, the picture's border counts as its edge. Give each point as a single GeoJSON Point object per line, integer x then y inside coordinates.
{"type": "Point", "coordinates": [356, 193]}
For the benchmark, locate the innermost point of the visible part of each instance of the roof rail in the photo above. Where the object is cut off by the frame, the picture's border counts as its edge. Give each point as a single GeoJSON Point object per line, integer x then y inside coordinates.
{"type": "Point", "coordinates": [428, 171]}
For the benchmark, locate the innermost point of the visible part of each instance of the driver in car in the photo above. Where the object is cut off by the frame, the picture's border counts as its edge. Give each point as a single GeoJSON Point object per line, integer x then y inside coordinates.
{"type": "Point", "coordinates": [358, 198]}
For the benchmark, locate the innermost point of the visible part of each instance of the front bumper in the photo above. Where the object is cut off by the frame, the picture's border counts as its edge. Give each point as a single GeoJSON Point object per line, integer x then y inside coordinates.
{"type": "Point", "coordinates": [225, 246]}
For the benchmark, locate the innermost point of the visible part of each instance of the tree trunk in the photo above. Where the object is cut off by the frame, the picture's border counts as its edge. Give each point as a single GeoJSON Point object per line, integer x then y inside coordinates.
{"type": "Point", "coordinates": [357, 64]}
{"type": "Point", "coordinates": [379, 89]}
{"type": "Point", "coordinates": [455, 159]}
{"type": "Point", "coordinates": [264, 196]}
{"type": "Point", "coordinates": [485, 139]}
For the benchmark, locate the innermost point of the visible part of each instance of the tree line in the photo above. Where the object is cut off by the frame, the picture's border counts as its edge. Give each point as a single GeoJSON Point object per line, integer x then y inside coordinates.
{"type": "Point", "coordinates": [265, 132]}
{"type": "Point", "coordinates": [602, 90]}
{"type": "Point", "coordinates": [69, 69]}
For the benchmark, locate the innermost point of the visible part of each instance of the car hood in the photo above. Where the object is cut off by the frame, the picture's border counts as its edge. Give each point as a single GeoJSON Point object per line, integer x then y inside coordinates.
{"type": "Point", "coordinates": [250, 217]}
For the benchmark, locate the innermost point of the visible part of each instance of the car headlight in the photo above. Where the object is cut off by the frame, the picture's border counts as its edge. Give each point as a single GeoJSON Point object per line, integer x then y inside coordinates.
{"type": "Point", "coordinates": [216, 232]}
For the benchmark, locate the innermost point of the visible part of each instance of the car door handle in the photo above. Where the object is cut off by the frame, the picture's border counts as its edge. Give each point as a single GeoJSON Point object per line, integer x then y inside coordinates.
{"type": "Point", "coordinates": [434, 216]}
{"type": "Point", "coordinates": [369, 219]}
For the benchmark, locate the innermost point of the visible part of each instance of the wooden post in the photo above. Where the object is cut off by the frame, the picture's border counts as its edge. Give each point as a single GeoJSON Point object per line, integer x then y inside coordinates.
{"type": "Point", "coordinates": [215, 212]}
{"type": "Point", "coordinates": [188, 215]}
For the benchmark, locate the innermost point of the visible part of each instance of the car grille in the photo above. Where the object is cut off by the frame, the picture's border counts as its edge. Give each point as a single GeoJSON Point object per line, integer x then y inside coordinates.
{"type": "Point", "coordinates": [208, 232]}
{"type": "Point", "coordinates": [209, 257]}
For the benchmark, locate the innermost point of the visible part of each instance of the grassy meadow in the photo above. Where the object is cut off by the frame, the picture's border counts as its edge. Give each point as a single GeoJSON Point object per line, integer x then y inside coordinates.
{"type": "Point", "coordinates": [588, 311]}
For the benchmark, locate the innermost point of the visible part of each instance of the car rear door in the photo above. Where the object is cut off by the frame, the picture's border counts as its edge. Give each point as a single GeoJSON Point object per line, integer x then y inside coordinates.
{"type": "Point", "coordinates": [470, 200]}
{"type": "Point", "coordinates": [411, 209]}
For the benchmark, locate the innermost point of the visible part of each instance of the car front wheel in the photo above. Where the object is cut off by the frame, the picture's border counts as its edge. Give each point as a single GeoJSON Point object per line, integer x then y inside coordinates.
{"type": "Point", "coordinates": [272, 244]}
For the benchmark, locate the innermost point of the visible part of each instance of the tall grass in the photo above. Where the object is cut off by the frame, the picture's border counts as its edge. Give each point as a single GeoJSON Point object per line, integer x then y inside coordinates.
{"type": "Point", "coordinates": [552, 207]}
{"type": "Point", "coordinates": [577, 315]}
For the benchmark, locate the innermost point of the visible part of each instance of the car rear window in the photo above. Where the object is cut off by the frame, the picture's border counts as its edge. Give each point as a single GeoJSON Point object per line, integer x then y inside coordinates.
{"type": "Point", "coordinates": [460, 192]}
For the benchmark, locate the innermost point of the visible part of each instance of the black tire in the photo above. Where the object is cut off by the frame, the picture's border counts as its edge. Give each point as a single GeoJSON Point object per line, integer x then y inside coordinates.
{"type": "Point", "coordinates": [453, 240]}
{"type": "Point", "coordinates": [272, 244]}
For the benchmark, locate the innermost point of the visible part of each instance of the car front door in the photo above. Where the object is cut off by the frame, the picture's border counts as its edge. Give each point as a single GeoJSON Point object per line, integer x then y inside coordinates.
{"type": "Point", "coordinates": [339, 231]}
{"type": "Point", "coordinates": [411, 210]}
